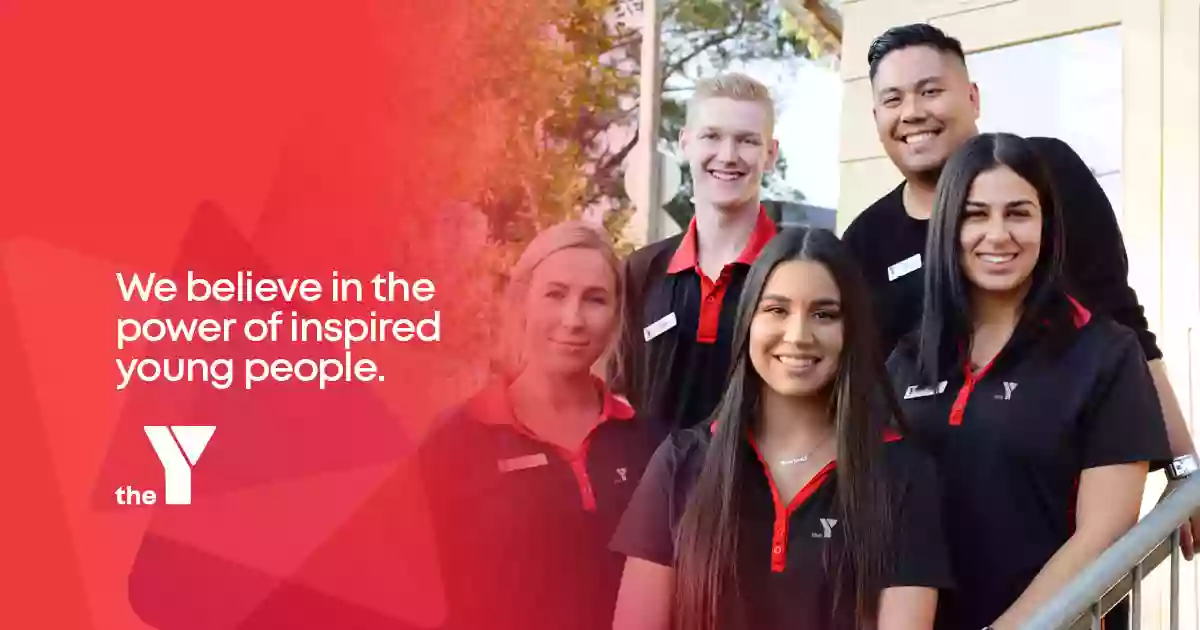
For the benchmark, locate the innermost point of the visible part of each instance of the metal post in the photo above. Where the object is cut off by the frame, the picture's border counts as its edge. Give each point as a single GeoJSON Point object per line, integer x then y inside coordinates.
{"type": "Point", "coordinates": [1175, 580]}
{"type": "Point", "coordinates": [649, 108]}
{"type": "Point", "coordinates": [1136, 624]}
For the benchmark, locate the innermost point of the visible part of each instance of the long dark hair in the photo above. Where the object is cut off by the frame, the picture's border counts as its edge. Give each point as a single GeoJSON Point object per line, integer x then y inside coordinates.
{"type": "Point", "coordinates": [946, 322]}
{"type": "Point", "coordinates": [706, 591]}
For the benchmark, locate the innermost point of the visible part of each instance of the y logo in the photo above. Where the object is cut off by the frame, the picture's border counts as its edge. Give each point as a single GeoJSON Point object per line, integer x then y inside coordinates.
{"type": "Point", "coordinates": [623, 474]}
{"type": "Point", "coordinates": [1009, 388]}
{"type": "Point", "coordinates": [827, 525]}
{"type": "Point", "coordinates": [179, 449]}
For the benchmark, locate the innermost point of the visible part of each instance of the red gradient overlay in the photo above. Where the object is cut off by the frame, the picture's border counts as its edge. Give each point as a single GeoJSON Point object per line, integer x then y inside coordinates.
{"type": "Point", "coordinates": [291, 139]}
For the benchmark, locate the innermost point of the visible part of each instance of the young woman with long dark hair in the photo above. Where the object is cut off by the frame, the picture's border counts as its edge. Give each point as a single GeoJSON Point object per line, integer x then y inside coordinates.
{"type": "Point", "coordinates": [1043, 419]}
{"type": "Point", "coordinates": [797, 506]}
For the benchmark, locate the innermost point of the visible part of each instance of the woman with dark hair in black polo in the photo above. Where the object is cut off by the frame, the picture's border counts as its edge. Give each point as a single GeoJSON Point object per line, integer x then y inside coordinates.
{"type": "Point", "coordinates": [1042, 418]}
{"type": "Point", "coordinates": [798, 507]}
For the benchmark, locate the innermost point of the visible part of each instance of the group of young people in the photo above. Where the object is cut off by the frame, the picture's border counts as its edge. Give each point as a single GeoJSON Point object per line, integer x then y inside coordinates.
{"type": "Point", "coordinates": [934, 421]}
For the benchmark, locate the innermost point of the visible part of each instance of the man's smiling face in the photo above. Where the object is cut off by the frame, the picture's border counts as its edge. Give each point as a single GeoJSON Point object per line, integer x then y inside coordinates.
{"type": "Point", "coordinates": [728, 146]}
{"type": "Point", "coordinates": [925, 108]}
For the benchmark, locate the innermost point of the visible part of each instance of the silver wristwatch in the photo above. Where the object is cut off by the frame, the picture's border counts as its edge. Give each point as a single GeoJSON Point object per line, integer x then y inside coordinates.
{"type": "Point", "coordinates": [1182, 466]}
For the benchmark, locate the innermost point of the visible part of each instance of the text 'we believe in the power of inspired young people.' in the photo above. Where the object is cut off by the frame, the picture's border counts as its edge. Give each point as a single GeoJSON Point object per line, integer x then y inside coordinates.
{"type": "Point", "coordinates": [285, 325]}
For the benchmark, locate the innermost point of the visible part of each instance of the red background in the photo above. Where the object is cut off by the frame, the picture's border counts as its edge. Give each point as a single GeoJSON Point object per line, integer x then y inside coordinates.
{"type": "Point", "coordinates": [289, 138]}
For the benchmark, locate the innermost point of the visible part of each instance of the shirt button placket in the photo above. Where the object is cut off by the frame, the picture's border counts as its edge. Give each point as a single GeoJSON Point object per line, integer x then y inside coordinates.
{"type": "Point", "coordinates": [778, 546]}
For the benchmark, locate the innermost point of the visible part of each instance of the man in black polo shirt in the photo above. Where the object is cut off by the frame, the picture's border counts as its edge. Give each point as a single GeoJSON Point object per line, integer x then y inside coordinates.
{"type": "Point", "coordinates": [925, 107]}
{"type": "Point", "coordinates": [682, 292]}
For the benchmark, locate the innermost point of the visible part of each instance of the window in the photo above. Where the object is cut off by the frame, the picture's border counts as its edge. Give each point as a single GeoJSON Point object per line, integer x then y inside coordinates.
{"type": "Point", "coordinates": [1066, 87]}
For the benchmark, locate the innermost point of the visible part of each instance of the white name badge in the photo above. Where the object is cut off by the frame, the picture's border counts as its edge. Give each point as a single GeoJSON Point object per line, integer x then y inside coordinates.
{"type": "Point", "coordinates": [521, 463]}
{"type": "Point", "coordinates": [659, 327]}
{"type": "Point", "coordinates": [920, 392]}
{"type": "Point", "coordinates": [904, 267]}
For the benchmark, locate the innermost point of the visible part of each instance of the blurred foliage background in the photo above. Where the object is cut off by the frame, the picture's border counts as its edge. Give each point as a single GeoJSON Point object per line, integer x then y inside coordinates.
{"type": "Point", "coordinates": [556, 115]}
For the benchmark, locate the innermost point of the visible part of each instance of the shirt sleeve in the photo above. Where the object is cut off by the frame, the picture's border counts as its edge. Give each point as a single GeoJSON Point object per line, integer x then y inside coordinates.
{"type": "Point", "coordinates": [622, 376]}
{"type": "Point", "coordinates": [631, 378]}
{"type": "Point", "coordinates": [857, 240]}
{"type": "Point", "coordinates": [1124, 422]}
{"type": "Point", "coordinates": [853, 237]}
{"type": "Point", "coordinates": [1097, 265]}
{"type": "Point", "coordinates": [921, 557]}
{"type": "Point", "coordinates": [647, 528]}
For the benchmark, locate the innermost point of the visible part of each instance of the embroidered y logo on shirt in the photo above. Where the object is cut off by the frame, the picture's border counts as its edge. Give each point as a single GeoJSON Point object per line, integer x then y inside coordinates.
{"type": "Point", "coordinates": [622, 474]}
{"type": "Point", "coordinates": [827, 525]}
{"type": "Point", "coordinates": [1009, 388]}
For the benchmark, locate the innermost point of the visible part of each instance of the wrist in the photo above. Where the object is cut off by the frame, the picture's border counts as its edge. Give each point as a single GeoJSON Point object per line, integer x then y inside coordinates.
{"type": "Point", "coordinates": [1181, 467]}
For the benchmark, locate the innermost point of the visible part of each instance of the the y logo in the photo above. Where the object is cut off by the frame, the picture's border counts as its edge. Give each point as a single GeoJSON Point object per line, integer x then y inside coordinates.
{"type": "Point", "coordinates": [827, 525]}
{"type": "Point", "coordinates": [179, 449]}
{"type": "Point", "coordinates": [1009, 388]}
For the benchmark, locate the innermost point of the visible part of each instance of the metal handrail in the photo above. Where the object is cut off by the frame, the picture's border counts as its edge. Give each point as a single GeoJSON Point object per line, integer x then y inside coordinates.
{"type": "Point", "coordinates": [1119, 570]}
{"type": "Point", "coordinates": [1131, 583]}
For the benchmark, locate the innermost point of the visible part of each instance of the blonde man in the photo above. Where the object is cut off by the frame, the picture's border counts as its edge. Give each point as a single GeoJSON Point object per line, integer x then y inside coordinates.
{"type": "Point", "coordinates": [682, 292]}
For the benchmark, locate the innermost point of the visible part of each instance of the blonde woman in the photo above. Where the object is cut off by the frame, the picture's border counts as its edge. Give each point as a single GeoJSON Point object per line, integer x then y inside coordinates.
{"type": "Point", "coordinates": [528, 478]}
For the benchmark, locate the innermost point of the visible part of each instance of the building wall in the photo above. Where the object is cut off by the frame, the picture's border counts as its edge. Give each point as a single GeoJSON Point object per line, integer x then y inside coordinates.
{"type": "Point", "coordinates": [1148, 147]}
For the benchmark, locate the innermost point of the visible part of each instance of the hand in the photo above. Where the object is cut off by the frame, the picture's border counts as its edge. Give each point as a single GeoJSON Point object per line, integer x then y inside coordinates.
{"type": "Point", "coordinates": [1187, 530]}
{"type": "Point", "coordinates": [1187, 538]}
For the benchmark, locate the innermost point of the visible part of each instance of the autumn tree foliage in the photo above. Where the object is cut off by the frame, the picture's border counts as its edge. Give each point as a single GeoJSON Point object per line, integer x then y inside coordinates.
{"type": "Point", "coordinates": [555, 115]}
{"type": "Point", "coordinates": [545, 114]}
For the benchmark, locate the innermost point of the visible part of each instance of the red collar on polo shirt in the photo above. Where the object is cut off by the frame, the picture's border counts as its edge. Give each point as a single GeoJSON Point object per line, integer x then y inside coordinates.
{"type": "Point", "coordinates": [712, 292]}
{"type": "Point", "coordinates": [783, 511]}
{"type": "Point", "coordinates": [493, 407]}
{"type": "Point", "coordinates": [687, 256]}
{"type": "Point", "coordinates": [1080, 316]}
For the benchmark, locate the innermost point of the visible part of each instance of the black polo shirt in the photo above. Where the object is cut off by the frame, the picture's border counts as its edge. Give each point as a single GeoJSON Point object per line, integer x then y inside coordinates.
{"type": "Point", "coordinates": [785, 572]}
{"type": "Point", "coordinates": [523, 526]}
{"type": "Point", "coordinates": [675, 353]}
{"type": "Point", "coordinates": [890, 247]}
{"type": "Point", "coordinates": [1011, 441]}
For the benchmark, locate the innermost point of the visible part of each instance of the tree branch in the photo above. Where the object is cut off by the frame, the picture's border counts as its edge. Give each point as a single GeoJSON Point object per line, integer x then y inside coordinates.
{"type": "Point", "coordinates": [619, 156]}
{"type": "Point", "coordinates": [676, 67]}
{"type": "Point", "coordinates": [634, 37]}
{"type": "Point", "coordinates": [716, 40]}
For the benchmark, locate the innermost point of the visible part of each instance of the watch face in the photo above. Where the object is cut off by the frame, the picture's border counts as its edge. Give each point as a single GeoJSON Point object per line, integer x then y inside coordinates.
{"type": "Point", "coordinates": [1182, 466]}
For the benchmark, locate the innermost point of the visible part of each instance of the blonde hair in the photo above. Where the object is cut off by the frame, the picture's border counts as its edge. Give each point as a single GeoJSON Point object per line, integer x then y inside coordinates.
{"type": "Point", "coordinates": [566, 235]}
{"type": "Point", "coordinates": [735, 86]}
